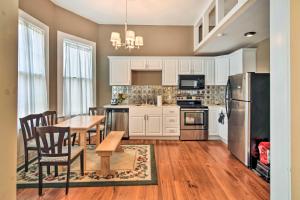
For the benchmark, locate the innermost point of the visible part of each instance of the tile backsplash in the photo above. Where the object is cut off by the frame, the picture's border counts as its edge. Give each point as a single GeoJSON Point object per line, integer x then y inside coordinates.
{"type": "Point", "coordinates": [137, 94]}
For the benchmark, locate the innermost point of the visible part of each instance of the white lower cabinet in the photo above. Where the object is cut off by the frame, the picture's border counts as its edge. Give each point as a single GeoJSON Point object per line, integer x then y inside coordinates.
{"type": "Point", "coordinates": [137, 125]}
{"type": "Point", "coordinates": [145, 121]}
{"type": "Point", "coordinates": [153, 125]}
{"type": "Point", "coordinates": [217, 129]}
{"type": "Point", "coordinates": [154, 121]}
{"type": "Point", "coordinates": [213, 121]}
{"type": "Point", "coordinates": [223, 127]}
{"type": "Point", "coordinates": [171, 121]}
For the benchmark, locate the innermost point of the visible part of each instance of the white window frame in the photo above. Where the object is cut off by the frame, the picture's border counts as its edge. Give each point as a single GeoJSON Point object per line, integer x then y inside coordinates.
{"type": "Point", "coordinates": [43, 26]}
{"type": "Point", "coordinates": [61, 36]}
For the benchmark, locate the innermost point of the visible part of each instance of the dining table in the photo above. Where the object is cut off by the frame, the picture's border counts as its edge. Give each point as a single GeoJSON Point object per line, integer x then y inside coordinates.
{"type": "Point", "coordinates": [81, 124]}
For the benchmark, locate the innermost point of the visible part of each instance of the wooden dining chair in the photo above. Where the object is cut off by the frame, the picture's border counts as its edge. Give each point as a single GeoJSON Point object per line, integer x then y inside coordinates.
{"type": "Point", "coordinates": [92, 131]}
{"type": "Point", "coordinates": [28, 125]}
{"type": "Point", "coordinates": [54, 153]}
{"type": "Point", "coordinates": [50, 119]}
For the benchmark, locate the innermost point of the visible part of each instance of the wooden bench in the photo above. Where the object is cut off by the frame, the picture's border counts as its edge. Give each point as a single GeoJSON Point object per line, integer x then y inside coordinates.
{"type": "Point", "coordinates": [109, 145]}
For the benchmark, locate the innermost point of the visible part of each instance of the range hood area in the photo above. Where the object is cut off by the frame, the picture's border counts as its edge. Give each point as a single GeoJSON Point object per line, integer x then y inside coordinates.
{"type": "Point", "coordinates": [146, 77]}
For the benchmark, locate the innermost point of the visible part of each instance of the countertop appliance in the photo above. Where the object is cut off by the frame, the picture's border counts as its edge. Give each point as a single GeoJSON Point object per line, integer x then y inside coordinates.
{"type": "Point", "coordinates": [247, 102]}
{"type": "Point", "coordinates": [193, 119]}
{"type": "Point", "coordinates": [118, 120]}
{"type": "Point", "coordinates": [191, 82]}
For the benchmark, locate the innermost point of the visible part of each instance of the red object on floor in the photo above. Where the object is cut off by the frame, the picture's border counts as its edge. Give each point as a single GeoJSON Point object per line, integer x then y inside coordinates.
{"type": "Point", "coordinates": [264, 152]}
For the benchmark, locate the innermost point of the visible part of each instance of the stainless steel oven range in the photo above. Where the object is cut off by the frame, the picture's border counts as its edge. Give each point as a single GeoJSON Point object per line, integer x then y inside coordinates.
{"type": "Point", "coordinates": [193, 120]}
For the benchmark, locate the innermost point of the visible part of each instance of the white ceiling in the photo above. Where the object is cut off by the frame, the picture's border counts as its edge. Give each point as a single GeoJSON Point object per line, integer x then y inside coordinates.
{"type": "Point", "coordinates": [140, 12]}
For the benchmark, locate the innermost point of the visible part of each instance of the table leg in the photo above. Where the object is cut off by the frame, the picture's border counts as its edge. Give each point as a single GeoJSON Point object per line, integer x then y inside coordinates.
{"type": "Point", "coordinates": [82, 143]}
{"type": "Point", "coordinates": [97, 135]}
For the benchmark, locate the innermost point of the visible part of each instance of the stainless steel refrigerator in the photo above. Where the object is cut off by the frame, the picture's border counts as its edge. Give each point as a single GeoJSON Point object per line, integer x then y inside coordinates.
{"type": "Point", "coordinates": [247, 102]}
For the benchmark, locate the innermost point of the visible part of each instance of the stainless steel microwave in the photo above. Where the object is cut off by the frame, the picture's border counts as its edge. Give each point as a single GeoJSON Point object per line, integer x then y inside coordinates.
{"type": "Point", "coordinates": [191, 82]}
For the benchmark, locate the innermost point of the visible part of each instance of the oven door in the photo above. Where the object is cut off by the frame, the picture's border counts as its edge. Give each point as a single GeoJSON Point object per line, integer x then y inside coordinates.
{"type": "Point", "coordinates": [194, 119]}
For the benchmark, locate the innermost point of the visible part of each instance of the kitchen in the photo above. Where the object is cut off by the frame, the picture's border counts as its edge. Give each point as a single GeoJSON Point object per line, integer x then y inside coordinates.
{"type": "Point", "coordinates": [182, 106]}
{"type": "Point", "coordinates": [190, 102]}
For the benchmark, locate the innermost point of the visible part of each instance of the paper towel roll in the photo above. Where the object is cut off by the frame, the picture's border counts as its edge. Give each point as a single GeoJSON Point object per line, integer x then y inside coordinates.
{"type": "Point", "coordinates": [159, 100]}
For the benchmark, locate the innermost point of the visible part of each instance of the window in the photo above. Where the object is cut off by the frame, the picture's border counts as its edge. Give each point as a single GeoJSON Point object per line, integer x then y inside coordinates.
{"type": "Point", "coordinates": [32, 66]}
{"type": "Point", "coordinates": [77, 75]}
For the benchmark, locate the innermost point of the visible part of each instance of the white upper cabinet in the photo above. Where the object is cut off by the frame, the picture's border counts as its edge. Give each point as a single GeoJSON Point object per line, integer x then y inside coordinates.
{"type": "Point", "coordinates": [138, 63]}
{"type": "Point", "coordinates": [221, 70]}
{"type": "Point", "coordinates": [242, 61]}
{"type": "Point", "coordinates": [146, 63]}
{"type": "Point", "coordinates": [185, 66]}
{"type": "Point", "coordinates": [198, 66]}
{"type": "Point", "coordinates": [154, 63]}
{"type": "Point", "coordinates": [209, 65]}
{"type": "Point", "coordinates": [119, 71]}
{"type": "Point", "coordinates": [169, 73]}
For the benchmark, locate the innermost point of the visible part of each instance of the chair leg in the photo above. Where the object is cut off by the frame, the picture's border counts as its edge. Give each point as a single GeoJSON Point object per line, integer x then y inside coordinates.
{"type": "Point", "coordinates": [48, 169]}
{"type": "Point", "coordinates": [26, 160]}
{"type": "Point", "coordinates": [56, 170]}
{"type": "Point", "coordinates": [101, 136]}
{"type": "Point", "coordinates": [68, 179]}
{"type": "Point", "coordinates": [89, 137]}
{"type": "Point", "coordinates": [74, 139]}
{"type": "Point", "coordinates": [40, 180]}
{"type": "Point", "coordinates": [81, 163]}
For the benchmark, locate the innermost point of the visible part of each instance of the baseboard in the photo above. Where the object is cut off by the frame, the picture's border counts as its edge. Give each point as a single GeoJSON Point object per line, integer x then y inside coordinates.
{"type": "Point", "coordinates": [153, 138]}
{"type": "Point", "coordinates": [214, 137]}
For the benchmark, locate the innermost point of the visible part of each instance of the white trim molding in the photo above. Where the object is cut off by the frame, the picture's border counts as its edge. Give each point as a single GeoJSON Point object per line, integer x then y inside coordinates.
{"type": "Point", "coordinates": [280, 99]}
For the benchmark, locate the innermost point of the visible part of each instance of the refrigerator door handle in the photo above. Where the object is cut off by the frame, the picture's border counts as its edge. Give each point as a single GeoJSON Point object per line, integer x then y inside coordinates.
{"type": "Point", "coordinates": [228, 98]}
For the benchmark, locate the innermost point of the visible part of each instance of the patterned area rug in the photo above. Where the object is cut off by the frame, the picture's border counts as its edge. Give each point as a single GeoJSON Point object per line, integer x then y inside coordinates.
{"type": "Point", "coordinates": [135, 166]}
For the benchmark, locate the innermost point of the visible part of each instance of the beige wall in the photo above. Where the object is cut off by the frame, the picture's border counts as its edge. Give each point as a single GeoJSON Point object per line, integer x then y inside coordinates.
{"type": "Point", "coordinates": [8, 97]}
{"type": "Point", "coordinates": [158, 41]}
{"type": "Point", "coordinates": [263, 56]}
{"type": "Point", "coordinates": [60, 19]}
{"type": "Point", "coordinates": [295, 91]}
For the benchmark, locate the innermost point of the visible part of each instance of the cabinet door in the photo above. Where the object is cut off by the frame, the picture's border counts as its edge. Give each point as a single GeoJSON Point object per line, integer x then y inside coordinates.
{"type": "Point", "coordinates": [185, 66]}
{"type": "Point", "coordinates": [209, 71]}
{"type": "Point", "coordinates": [137, 126]}
{"type": "Point", "coordinates": [120, 73]}
{"type": "Point", "coordinates": [213, 122]}
{"type": "Point", "coordinates": [221, 70]}
{"type": "Point", "coordinates": [198, 66]}
{"type": "Point", "coordinates": [154, 64]}
{"type": "Point", "coordinates": [223, 128]}
{"type": "Point", "coordinates": [169, 74]}
{"type": "Point", "coordinates": [236, 63]}
{"type": "Point", "coordinates": [138, 63]}
{"type": "Point", "coordinates": [153, 125]}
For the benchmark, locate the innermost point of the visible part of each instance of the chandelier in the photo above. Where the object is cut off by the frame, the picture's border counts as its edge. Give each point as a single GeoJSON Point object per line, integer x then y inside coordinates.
{"type": "Point", "coordinates": [131, 41]}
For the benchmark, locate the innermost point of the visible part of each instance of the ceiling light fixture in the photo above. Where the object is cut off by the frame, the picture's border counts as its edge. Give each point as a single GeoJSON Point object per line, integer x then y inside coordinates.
{"type": "Point", "coordinates": [221, 34]}
{"type": "Point", "coordinates": [249, 34]}
{"type": "Point", "coordinates": [131, 41]}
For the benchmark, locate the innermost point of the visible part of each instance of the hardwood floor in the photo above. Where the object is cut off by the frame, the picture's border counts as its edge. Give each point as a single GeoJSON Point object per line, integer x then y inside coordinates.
{"type": "Point", "coordinates": [186, 170]}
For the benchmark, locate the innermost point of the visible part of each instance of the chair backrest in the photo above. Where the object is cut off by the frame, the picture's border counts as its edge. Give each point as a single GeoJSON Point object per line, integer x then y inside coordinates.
{"type": "Point", "coordinates": [49, 118]}
{"type": "Point", "coordinates": [28, 125]}
{"type": "Point", "coordinates": [96, 111]}
{"type": "Point", "coordinates": [50, 141]}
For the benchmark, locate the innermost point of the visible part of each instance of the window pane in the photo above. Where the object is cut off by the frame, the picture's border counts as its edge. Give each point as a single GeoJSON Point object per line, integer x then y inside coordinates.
{"type": "Point", "coordinates": [32, 85]}
{"type": "Point", "coordinates": [78, 78]}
